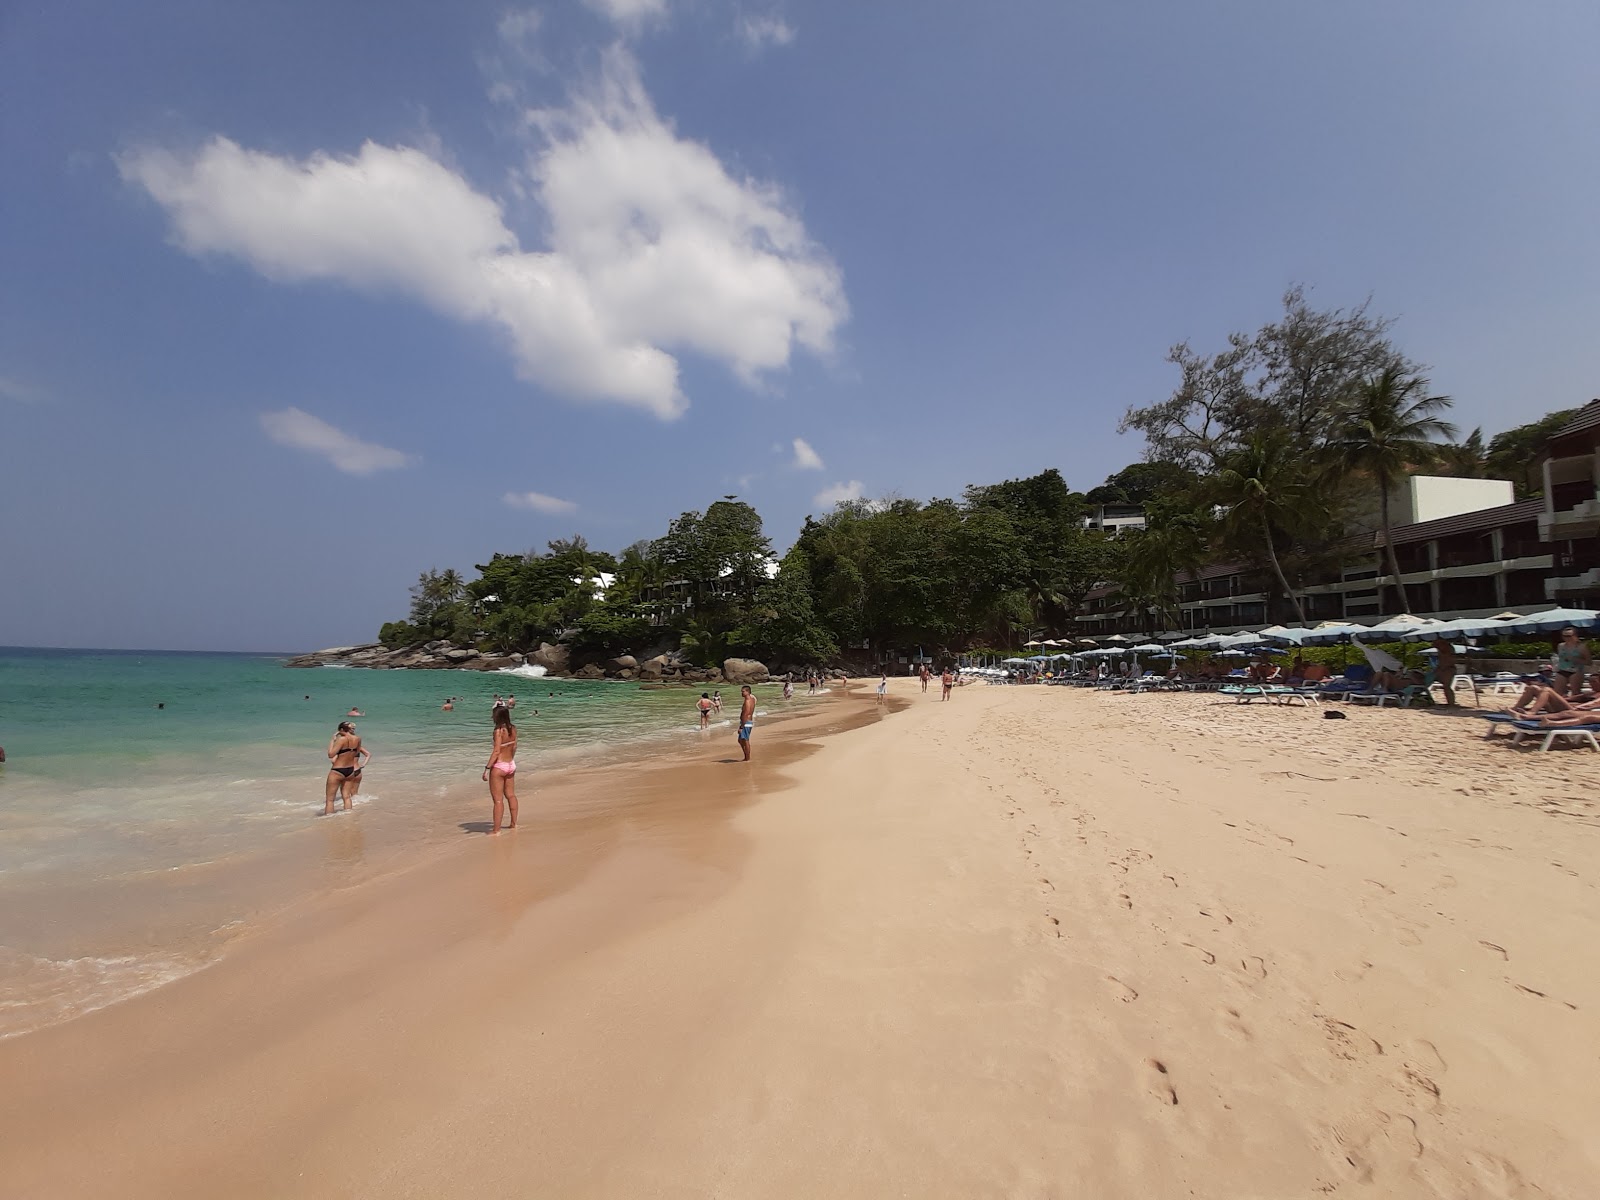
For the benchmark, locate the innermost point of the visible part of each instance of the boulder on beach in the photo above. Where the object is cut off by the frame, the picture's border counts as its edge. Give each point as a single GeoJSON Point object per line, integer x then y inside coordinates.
{"type": "Point", "coordinates": [555, 659]}
{"type": "Point", "coordinates": [744, 670]}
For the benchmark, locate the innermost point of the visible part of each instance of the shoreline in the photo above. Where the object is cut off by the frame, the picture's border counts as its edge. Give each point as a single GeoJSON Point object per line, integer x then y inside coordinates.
{"type": "Point", "coordinates": [81, 945]}
{"type": "Point", "coordinates": [1144, 945]}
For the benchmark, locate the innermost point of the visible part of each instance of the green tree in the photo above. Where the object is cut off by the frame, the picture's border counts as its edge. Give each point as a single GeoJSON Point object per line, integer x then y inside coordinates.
{"type": "Point", "coordinates": [1174, 542]}
{"type": "Point", "coordinates": [1466, 459]}
{"type": "Point", "coordinates": [1512, 453]}
{"type": "Point", "coordinates": [1293, 375]}
{"type": "Point", "coordinates": [1267, 485]}
{"type": "Point", "coordinates": [1388, 426]}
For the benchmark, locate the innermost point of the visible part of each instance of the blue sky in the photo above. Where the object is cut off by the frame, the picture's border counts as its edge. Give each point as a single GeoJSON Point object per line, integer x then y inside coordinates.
{"type": "Point", "coordinates": [299, 299]}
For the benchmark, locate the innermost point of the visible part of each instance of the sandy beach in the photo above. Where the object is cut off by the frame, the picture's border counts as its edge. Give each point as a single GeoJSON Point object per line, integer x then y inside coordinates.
{"type": "Point", "coordinates": [1034, 942]}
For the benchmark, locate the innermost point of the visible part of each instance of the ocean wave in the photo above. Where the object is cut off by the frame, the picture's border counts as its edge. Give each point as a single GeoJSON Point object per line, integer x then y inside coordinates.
{"type": "Point", "coordinates": [36, 992]}
{"type": "Point", "coordinates": [527, 671]}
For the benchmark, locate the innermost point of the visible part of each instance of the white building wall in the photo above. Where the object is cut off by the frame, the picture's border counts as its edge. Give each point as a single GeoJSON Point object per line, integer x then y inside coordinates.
{"type": "Point", "coordinates": [1430, 497]}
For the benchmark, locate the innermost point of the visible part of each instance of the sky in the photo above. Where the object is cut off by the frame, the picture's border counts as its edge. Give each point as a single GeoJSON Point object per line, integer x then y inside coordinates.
{"type": "Point", "coordinates": [298, 300]}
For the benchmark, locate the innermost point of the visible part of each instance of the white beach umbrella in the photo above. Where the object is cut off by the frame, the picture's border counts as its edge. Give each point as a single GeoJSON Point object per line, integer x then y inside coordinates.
{"type": "Point", "coordinates": [1381, 660]}
{"type": "Point", "coordinates": [1396, 627]}
{"type": "Point", "coordinates": [1148, 648]}
{"type": "Point", "coordinates": [1118, 639]}
{"type": "Point", "coordinates": [1554, 619]}
{"type": "Point", "coordinates": [1330, 632]}
{"type": "Point", "coordinates": [1277, 633]}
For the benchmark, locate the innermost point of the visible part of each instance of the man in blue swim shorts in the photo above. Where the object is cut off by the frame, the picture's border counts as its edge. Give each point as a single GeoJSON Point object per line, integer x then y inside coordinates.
{"type": "Point", "coordinates": [747, 719]}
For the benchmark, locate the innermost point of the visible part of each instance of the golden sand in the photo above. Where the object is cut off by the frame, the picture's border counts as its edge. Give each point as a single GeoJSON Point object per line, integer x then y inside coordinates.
{"type": "Point", "coordinates": [1032, 942]}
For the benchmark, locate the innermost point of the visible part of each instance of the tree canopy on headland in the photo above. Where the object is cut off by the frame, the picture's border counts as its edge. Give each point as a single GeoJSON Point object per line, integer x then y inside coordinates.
{"type": "Point", "coordinates": [1269, 453]}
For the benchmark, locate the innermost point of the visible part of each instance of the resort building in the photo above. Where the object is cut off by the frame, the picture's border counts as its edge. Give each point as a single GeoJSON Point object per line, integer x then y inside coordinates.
{"type": "Point", "coordinates": [1114, 518]}
{"type": "Point", "coordinates": [1465, 549]}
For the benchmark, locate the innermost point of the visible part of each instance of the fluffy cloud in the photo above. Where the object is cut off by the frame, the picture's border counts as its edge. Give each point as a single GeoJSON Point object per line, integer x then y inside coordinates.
{"type": "Point", "coordinates": [350, 454]}
{"type": "Point", "coordinates": [629, 13]}
{"type": "Point", "coordinates": [539, 502]}
{"type": "Point", "coordinates": [805, 458]}
{"type": "Point", "coordinates": [757, 33]}
{"type": "Point", "coordinates": [653, 247]}
{"type": "Point", "coordinates": [838, 493]}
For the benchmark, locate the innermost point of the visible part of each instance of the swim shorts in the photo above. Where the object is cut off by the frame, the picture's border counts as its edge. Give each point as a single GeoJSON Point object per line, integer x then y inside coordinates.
{"type": "Point", "coordinates": [744, 731]}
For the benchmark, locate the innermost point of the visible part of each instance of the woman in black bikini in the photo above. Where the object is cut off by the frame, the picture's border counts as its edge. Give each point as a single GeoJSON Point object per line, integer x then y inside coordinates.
{"type": "Point", "coordinates": [345, 754]}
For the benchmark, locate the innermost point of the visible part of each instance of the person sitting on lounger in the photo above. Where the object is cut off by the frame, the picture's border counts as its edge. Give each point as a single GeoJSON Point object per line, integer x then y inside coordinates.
{"type": "Point", "coordinates": [1538, 701]}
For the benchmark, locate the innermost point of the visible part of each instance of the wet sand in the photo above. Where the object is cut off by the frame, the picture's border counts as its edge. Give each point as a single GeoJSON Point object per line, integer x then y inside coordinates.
{"type": "Point", "coordinates": [1032, 942]}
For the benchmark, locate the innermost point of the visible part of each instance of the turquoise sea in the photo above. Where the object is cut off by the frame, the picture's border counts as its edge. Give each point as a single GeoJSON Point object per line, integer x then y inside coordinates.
{"type": "Point", "coordinates": [155, 804]}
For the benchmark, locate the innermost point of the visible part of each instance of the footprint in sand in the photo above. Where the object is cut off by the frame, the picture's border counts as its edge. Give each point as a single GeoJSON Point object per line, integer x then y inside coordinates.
{"type": "Point", "coordinates": [1500, 950]}
{"type": "Point", "coordinates": [1376, 1144]}
{"type": "Point", "coordinates": [1233, 1025]}
{"type": "Point", "coordinates": [1348, 1042]}
{"type": "Point", "coordinates": [1158, 1082]}
{"type": "Point", "coordinates": [1206, 956]}
{"type": "Point", "coordinates": [1254, 966]}
{"type": "Point", "coordinates": [1121, 990]}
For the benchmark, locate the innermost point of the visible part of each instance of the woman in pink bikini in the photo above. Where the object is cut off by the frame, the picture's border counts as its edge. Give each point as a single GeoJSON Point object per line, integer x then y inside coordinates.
{"type": "Point", "coordinates": [501, 771]}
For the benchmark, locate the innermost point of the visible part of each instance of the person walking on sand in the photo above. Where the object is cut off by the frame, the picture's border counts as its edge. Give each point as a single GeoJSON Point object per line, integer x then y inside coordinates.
{"type": "Point", "coordinates": [747, 719]}
{"type": "Point", "coordinates": [1444, 669]}
{"type": "Point", "coordinates": [924, 673]}
{"type": "Point", "coordinates": [501, 769]}
{"type": "Point", "coordinates": [704, 704]}
{"type": "Point", "coordinates": [1571, 662]}
{"type": "Point", "coordinates": [345, 755]}
{"type": "Point", "coordinates": [883, 688]}
{"type": "Point", "coordinates": [946, 682]}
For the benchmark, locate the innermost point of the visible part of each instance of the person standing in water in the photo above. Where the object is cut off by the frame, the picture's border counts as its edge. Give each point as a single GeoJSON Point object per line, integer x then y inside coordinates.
{"type": "Point", "coordinates": [501, 769]}
{"type": "Point", "coordinates": [704, 704]}
{"type": "Point", "coordinates": [747, 719]}
{"type": "Point", "coordinates": [345, 759]}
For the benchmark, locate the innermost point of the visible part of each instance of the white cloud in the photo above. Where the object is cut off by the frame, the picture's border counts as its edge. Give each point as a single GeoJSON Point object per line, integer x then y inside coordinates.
{"type": "Point", "coordinates": [350, 454]}
{"type": "Point", "coordinates": [518, 28]}
{"type": "Point", "coordinates": [654, 248]}
{"type": "Point", "coordinates": [759, 32]}
{"type": "Point", "coordinates": [805, 458]}
{"type": "Point", "coordinates": [22, 393]}
{"type": "Point", "coordinates": [539, 502]}
{"type": "Point", "coordinates": [629, 14]}
{"type": "Point", "coordinates": [839, 492]}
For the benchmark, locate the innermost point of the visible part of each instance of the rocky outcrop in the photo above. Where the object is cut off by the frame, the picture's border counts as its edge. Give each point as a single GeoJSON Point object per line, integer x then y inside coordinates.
{"type": "Point", "coordinates": [744, 670]}
{"type": "Point", "coordinates": [555, 659]}
{"type": "Point", "coordinates": [662, 668]}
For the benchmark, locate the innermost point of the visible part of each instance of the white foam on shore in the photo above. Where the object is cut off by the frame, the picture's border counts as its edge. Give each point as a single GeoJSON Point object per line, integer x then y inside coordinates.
{"type": "Point", "coordinates": [36, 992]}
{"type": "Point", "coordinates": [527, 671]}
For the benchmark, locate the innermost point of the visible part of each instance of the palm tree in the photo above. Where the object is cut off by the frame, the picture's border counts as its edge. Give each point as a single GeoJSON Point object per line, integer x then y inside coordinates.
{"type": "Point", "coordinates": [1267, 485]}
{"type": "Point", "coordinates": [1386, 427]}
{"type": "Point", "coordinates": [1467, 459]}
{"type": "Point", "coordinates": [1172, 544]}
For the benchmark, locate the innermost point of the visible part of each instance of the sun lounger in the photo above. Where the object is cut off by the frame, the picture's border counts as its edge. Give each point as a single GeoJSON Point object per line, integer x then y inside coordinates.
{"type": "Point", "coordinates": [1583, 733]}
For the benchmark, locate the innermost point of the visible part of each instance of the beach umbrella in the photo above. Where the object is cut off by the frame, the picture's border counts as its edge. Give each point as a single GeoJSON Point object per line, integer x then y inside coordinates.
{"type": "Point", "coordinates": [1330, 632]}
{"type": "Point", "coordinates": [1118, 639]}
{"type": "Point", "coordinates": [1395, 627]}
{"type": "Point", "coordinates": [1087, 642]}
{"type": "Point", "coordinates": [1553, 620]}
{"type": "Point", "coordinates": [1277, 633]}
{"type": "Point", "coordinates": [1030, 645]}
{"type": "Point", "coordinates": [1472, 627]}
{"type": "Point", "coordinates": [1148, 648]}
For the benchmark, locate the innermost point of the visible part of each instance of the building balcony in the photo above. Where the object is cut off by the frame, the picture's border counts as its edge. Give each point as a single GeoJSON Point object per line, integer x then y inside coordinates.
{"type": "Point", "coordinates": [1579, 584]}
{"type": "Point", "coordinates": [1567, 524]}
